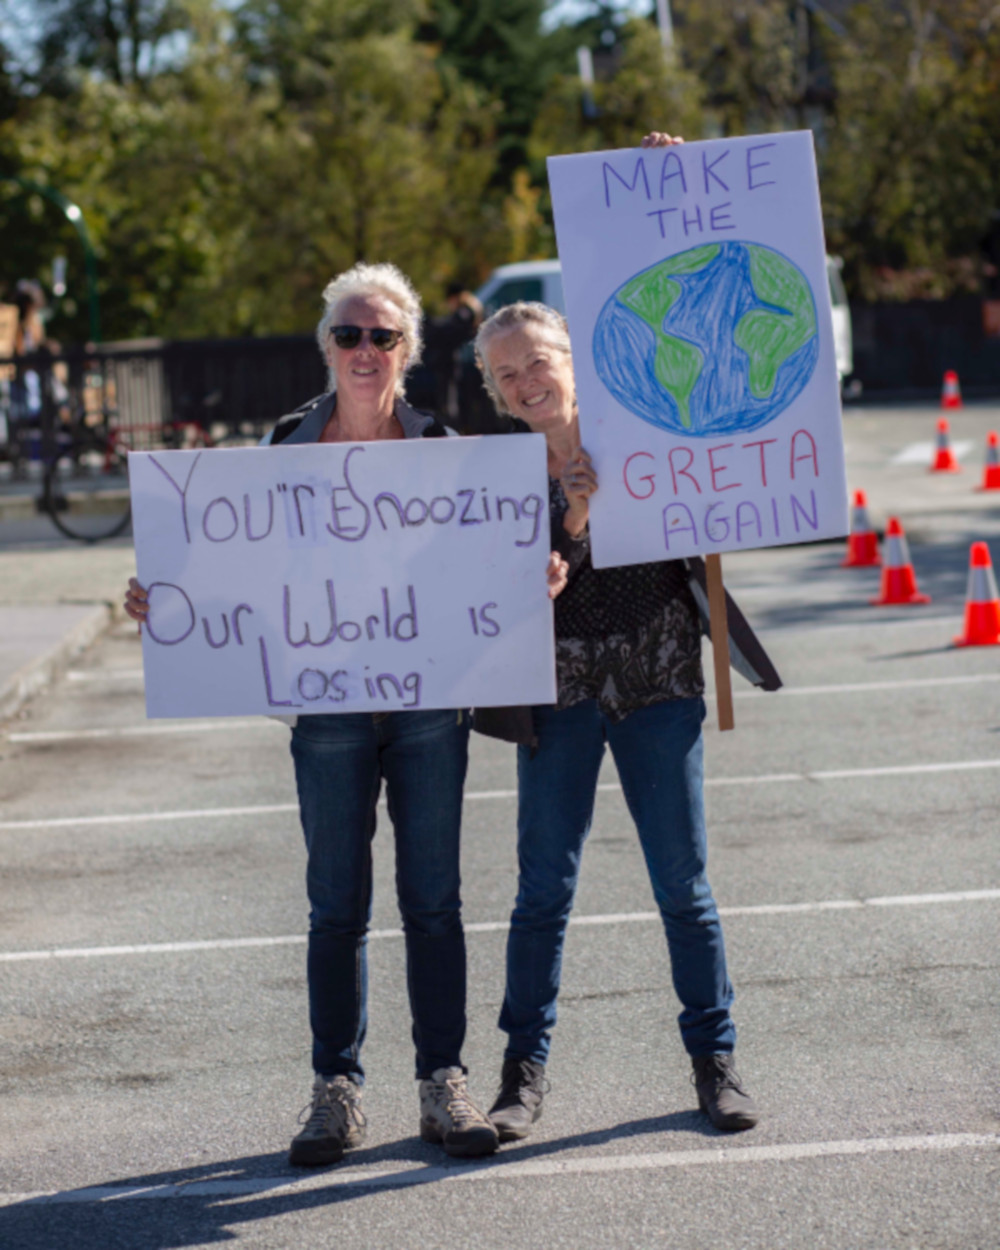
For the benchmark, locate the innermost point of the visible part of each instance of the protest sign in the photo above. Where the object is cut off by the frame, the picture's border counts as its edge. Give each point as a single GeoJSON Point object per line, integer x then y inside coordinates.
{"type": "Point", "coordinates": [699, 312]}
{"type": "Point", "coordinates": [345, 577]}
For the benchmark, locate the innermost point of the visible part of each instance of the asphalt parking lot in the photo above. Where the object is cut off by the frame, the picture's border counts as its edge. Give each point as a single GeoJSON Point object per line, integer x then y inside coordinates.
{"type": "Point", "coordinates": [153, 1031]}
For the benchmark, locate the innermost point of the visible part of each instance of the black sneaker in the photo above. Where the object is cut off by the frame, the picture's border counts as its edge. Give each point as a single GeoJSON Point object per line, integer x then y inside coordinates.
{"type": "Point", "coordinates": [519, 1100]}
{"type": "Point", "coordinates": [720, 1094]}
{"type": "Point", "coordinates": [335, 1123]}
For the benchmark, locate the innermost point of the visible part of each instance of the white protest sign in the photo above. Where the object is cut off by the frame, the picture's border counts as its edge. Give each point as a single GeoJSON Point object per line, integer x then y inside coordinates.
{"type": "Point", "coordinates": [699, 311]}
{"type": "Point", "coordinates": [345, 577]}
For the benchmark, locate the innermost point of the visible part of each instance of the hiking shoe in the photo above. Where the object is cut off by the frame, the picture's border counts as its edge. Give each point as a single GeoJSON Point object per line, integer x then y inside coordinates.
{"type": "Point", "coordinates": [720, 1094]}
{"type": "Point", "coordinates": [450, 1118]}
{"type": "Point", "coordinates": [519, 1099]}
{"type": "Point", "coordinates": [335, 1123]}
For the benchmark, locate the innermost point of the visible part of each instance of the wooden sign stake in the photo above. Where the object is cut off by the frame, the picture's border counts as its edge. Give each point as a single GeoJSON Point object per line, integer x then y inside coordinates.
{"type": "Point", "coordinates": [720, 641]}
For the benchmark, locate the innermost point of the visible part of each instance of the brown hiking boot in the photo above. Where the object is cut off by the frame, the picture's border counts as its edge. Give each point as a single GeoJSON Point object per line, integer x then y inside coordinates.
{"type": "Point", "coordinates": [518, 1102]}
{"type": "Point", "coordinates": [720, 1094]}
{"type": "Point", "coordinates": [449, 1117]}
{"type": "Point", "coordinates": [335, 1123]}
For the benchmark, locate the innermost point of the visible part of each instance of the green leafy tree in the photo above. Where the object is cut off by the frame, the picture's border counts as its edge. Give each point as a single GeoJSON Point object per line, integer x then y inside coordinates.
{"type": "Point", "coordinates": [648, 91]}
{"type": "Point", "coordinates": [911, 174]}
{"type": "Point", "coordinates": [120, 40]}
{"type": "Point", "coordinates": [220, 205]}
{"type": "Point", "coordinates": [500, 45]}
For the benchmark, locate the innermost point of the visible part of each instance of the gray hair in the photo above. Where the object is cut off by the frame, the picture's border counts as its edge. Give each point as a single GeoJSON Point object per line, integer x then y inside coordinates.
{"type": "Point", "coordinates": [514, 317]}
{"type": "Point", "coordinates": [391, 284]}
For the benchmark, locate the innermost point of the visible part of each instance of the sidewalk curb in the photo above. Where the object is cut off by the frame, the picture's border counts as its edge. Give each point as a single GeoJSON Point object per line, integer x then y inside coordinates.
{"type": "Point", "coordinates": [31, 678]}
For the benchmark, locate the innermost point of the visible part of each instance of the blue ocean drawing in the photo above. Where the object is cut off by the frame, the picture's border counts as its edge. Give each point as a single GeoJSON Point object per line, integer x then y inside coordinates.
{"type": "Point", "coordinates": [712, 341]}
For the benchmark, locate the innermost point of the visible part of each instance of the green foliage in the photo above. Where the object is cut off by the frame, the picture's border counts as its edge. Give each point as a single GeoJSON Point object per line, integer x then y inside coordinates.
{"type": "Point", "coordinates": [499, 45]}
{"type": "Point", "coordinates": [911, 173]}
{"type": "Point", "coordinates": [647, 92]}
{"type": "Point", "coordinates": [117, 39]}
{"type": "Point", "coordinates": [230, 156]}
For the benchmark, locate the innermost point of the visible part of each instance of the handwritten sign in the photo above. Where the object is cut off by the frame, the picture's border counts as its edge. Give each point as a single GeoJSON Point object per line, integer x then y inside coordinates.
{"type": "Point", "coordinates": [364, 577]}
{"type": "Point", "coordinates": [699, 311]}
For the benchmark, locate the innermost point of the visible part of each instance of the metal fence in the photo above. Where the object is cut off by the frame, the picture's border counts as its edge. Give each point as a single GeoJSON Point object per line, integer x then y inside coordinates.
{"type": "Point", "coordinates": [148, 393]}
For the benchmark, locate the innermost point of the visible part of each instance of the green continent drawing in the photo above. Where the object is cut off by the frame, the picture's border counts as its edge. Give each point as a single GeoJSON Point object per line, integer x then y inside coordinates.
{"type": "Point", "coordinates": [769, 338]}
{"type": "Point", "coordinates": [677, 364]}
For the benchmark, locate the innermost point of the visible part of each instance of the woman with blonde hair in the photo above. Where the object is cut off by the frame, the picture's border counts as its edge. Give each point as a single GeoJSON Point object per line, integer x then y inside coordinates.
{"type": "Point", "coordinates": [628, 660]}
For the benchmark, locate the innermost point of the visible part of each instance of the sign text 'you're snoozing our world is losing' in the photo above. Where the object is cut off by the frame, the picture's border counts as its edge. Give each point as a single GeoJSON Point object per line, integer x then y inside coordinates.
{"type": "Point", "coordinates": [368, 576]}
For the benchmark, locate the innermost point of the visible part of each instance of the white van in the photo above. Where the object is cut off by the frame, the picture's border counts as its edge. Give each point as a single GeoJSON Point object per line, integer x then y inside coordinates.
{"type": "Point", "coordinates": [542, 280]}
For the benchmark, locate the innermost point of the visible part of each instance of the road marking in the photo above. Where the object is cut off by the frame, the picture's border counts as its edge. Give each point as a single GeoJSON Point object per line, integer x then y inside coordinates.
{"type": "Point", "coordinates": [212, 813]}
{"type": "Point", "coordinates": [142, 731]}
{"type": "Point", "coordinates": [923, 453]}
{"type": "Point", "coordinates": [500, 926]}
{"type": "Point", "coordinates": [511, 1168]}
{"type": "Point", "coordinates": [104, 674]}
{"type": "Point", "coordinates": [242, 724]}
{"type": "Point", "coordinates": [866, 687]}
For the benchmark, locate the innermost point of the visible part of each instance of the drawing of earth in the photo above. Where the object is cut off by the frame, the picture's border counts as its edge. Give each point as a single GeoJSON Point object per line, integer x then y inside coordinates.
{"type": "Point", "coordinates": [715, 340]}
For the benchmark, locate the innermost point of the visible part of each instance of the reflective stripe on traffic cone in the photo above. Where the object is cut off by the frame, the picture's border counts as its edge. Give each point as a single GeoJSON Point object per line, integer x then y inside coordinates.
{"type": "Point", "coordinates": [899, 583]}
{"type": "Point", "coordinates": [951, 393]}
{"type": "Point", "coordinates": [982, 603]}
{"type": "Point", "coordinates": [862, 541]}
{"type": "Point", "coordinates": [991, 465]}
{"type": "Point", "coordinates": [944, 457]}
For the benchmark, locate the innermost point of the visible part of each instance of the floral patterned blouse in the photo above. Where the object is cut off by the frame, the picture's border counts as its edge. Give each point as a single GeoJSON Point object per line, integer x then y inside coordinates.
{"type": "Point", "coordinates": [627, 636]}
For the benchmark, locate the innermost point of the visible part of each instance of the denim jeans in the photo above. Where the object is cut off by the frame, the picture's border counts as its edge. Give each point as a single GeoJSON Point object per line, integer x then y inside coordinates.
{"type": "Point", "coordinates": [658, 752]}
{"type": "Point", "coordinates": [340, 762]}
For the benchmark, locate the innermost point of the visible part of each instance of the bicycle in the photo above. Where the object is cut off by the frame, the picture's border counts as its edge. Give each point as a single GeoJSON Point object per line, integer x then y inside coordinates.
{"type": "Point", "coordinates": [91, 411]}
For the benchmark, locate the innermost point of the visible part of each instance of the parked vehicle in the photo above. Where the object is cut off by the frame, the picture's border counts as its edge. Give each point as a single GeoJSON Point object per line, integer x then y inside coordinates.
{"type": "Point", "coordinates": [542, 280]}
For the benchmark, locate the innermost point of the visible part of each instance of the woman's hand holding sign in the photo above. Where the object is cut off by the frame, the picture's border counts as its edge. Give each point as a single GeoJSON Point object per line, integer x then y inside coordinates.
{"type": "Point", "coordinates": [579, 481]}
{"type": "Point", "coordinates": [657, 139]}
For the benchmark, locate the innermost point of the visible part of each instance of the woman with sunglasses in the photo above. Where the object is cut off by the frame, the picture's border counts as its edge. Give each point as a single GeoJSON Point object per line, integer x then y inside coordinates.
{"type": "Point", "coordinates": [369, 335]}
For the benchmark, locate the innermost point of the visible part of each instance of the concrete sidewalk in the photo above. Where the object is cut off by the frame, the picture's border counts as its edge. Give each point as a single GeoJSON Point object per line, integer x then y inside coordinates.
{"type": "Point", "coordinates": [54, 602]}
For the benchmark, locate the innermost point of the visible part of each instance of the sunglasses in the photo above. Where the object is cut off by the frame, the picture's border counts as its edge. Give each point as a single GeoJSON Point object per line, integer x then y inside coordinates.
{"type": "Point", "coordinates": [349, 337]}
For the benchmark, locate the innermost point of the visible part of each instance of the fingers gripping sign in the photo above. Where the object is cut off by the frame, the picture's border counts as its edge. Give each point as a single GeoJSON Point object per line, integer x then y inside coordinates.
{"type": "Point", "coordinates": [579, 481]}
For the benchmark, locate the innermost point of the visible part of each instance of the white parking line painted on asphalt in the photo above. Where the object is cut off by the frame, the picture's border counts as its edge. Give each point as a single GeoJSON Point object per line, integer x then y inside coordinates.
{"type": "Point", "coordinates": [105, 674]}
{"type": "Point", "coordinates": [511, 1168]}
{"type": "Point", "coordinates": [923, 453]}
{"type": "Point", "coordinates": [206, 813]}
{"type": "Point", "coordinates": [238, 724]}
{"type": "Point", "coordinates": [243, 724]}
{"type": "Point", "coordinates": [500, 926]}
{"type": "Point", "coordinates": [210, 813]}
{"type": "Point", "coordinates": [868, 687]}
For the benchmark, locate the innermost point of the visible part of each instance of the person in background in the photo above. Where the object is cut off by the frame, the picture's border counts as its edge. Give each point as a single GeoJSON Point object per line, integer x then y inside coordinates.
{"type": "Point", "coordinates": [445, 337]}
{"type": "Point", "coordinates": [628, 655]}
{"type": "Point", "coordinates": [369, 335]}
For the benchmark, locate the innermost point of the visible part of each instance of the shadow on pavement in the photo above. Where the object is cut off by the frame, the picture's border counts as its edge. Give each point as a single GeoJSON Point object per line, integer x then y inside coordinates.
{"type": "Point", "coordinates": [142, 1219]}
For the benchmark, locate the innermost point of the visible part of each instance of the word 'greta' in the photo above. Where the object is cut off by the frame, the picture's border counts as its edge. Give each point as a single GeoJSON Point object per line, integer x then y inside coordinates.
{"type": "Point", "coordinates": [313, 511]}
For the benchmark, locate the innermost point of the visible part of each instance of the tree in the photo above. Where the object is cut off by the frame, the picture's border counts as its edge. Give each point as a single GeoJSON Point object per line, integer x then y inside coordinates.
{"type": "Point", "coordinates": [221, 205]}
{"type": "Point", "coordinates": [911, 175]}
{"type": "Point", "coordinates": [647, 91]}
{"type": "Point", "coordinates": [116, 39]}
{"type": "Point", "coordinates": [500, 46]}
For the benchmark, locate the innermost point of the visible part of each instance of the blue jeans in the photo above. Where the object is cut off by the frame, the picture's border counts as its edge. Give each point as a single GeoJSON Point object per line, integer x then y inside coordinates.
{"type": "Point", "coordinates": [340, 762]}
{"type": "Point", "coordinates": [658, 752]}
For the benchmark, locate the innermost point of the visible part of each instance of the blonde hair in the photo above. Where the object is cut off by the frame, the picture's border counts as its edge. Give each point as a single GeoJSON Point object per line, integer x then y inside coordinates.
{"type": "Point", "coordinates": [513, 317]}
{"type": "Point", "coordinates": [391, 284]}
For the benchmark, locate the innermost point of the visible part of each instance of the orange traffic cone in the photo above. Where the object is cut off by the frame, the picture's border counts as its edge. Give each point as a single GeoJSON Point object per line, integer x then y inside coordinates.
{"type": "Point", "coordinates": [899, 583]}
{"type": "Point", "coordinates": [982, 603]}
{"type": "Point", "coordinates": [944, 457]}
{"type": "Point", "coordinates": [862, 541]}
{"type": "Point", "coordinates": [991, 465]}
{"type": "Point", "coordinates": [951, 392]}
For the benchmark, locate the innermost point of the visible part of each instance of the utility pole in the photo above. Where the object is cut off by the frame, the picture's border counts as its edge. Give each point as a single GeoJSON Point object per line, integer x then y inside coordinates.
{"type": "Point", "coordinates": [666, 24]}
